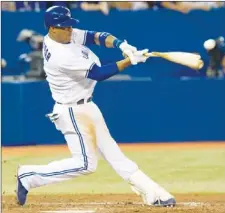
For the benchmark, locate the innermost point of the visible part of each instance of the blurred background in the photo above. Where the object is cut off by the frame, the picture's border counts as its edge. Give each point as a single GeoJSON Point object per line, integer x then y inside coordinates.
{"type": "Point", "coordinates": [158, 101]}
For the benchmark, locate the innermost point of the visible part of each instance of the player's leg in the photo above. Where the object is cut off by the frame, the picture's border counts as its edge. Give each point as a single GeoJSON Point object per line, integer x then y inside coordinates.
{"type": "Point", "coordinates": [80, 163]}
{"type": "Point", "coordinates": [83, 160]}
{"type": "Point", "coordinates": [143, 185]}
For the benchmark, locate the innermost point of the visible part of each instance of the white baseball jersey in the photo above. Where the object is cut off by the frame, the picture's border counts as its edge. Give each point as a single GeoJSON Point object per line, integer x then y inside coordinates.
{"type": "Point", "coordinates": [83, 126]}
{"type": "Point", "coordinates": [66, 67]}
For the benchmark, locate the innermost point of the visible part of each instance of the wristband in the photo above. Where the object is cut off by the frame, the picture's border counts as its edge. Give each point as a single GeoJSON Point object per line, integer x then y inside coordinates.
{"type": "Point", "coordinates": [117, 43]}
{"type": "Point", "coordinates": [102, 38]}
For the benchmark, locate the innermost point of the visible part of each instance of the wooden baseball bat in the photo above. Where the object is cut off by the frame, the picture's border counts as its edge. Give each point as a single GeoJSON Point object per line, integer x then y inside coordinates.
{"type": "Point", "coordinates": [187, 59]}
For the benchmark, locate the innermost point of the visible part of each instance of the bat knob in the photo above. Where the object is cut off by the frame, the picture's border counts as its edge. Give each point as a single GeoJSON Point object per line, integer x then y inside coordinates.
{"type": "Point", "coordinates": [201, 64]}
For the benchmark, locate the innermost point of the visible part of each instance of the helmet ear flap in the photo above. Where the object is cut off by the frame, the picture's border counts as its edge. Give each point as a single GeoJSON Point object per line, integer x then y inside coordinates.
{"type": "Point", "coordinates": [47, 19]}
{"type": "Point", "coordinates": [46, 27]}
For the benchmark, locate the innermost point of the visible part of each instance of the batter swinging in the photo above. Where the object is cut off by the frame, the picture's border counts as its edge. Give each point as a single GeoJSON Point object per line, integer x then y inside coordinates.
{"type": "Point", "coordinates": [72, 72]}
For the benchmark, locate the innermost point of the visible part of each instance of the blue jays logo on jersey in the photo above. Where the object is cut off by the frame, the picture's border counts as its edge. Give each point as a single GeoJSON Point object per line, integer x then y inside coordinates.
{"type": "Point", "coordinates": [85, 53]}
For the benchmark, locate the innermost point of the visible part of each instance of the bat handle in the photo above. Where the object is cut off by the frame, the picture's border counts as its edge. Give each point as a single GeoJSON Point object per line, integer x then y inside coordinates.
{"type": "Point", "coordinates": [150, 55]}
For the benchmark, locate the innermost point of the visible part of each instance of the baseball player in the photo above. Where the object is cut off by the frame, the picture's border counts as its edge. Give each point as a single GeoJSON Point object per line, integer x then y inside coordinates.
{"type": "Point", "coordinates": [72, 71]}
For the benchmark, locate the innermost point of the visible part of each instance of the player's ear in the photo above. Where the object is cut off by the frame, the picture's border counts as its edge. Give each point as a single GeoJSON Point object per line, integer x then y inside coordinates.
{"type": "Point", "coordinates": [52, 29]}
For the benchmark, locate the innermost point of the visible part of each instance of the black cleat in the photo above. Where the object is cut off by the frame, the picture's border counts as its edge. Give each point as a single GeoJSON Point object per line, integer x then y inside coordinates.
{"type": "Point", "coordinates": [167, 203]}
{"type": "Point", "coordinates": [21, 193]}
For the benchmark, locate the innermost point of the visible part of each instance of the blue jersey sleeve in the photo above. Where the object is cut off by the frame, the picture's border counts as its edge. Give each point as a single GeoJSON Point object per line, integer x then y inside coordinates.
{"type": "Point", "coordinates": [89, 37]}
{"type": "Point", "coordinates": [102, 73]}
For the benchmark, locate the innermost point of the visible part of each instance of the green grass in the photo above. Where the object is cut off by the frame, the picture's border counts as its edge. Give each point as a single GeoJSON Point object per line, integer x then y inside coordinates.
{"type": "Point", "coordinates": [184, 171]}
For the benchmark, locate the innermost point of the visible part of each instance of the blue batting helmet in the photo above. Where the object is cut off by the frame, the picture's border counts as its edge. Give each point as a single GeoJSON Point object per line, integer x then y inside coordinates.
{"type": "Point", "coordinates": [58, 16]}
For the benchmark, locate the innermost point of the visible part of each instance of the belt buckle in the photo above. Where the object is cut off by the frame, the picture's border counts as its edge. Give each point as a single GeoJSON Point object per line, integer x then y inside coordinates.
{"type": "Point", "coordinates": [81, 101]}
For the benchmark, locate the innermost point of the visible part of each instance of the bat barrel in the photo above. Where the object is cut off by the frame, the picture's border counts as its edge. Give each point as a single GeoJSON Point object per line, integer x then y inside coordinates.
{"type": "Point", "coordinates": [187, 59]}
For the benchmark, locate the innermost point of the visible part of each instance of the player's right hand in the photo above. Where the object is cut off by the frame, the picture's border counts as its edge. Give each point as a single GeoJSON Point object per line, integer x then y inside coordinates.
{"type": "Point", "coordinates": [127, 47]}
{"type": "Point", "coordinates": [137, 57]}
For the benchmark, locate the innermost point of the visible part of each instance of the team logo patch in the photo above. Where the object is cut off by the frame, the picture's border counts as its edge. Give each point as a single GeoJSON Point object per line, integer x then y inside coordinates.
{"type": "Point", "coordinates": [85, 54]}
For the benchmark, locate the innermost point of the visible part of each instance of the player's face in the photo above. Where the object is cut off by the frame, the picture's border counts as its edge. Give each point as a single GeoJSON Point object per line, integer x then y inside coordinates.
{"type": "Point", "coordinates": [64, 34]}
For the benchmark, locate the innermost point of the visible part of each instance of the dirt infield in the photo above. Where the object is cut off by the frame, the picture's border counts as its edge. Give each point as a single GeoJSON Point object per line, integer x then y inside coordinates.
{"type": "Point", "coordinates": [110, 203]}
{"type": "Point", "coordinates": [129, 203]}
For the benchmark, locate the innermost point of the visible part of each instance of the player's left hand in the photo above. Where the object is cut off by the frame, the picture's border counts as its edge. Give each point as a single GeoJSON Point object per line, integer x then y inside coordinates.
{"type": "Point", "coordinates": [138, 57]}
{"type": "Point", "coordinates": [125, 47]}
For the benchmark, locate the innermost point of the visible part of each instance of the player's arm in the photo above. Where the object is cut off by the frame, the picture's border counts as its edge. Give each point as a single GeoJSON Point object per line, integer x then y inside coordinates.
{"type": "Point", "coordinates": [101, 73]}
{"type": "Point", "coordinates": [107, 40]}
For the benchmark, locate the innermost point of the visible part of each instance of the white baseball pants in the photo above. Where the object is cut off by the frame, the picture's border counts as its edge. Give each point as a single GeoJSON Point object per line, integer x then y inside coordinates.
{"type": "Point", "coordinates": [86, 134]}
